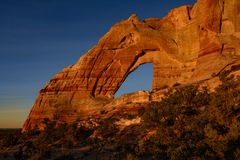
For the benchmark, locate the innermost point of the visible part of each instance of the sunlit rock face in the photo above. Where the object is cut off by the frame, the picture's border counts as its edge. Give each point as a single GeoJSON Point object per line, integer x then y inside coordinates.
{"type": "Point", "coordinates": [188, 45]}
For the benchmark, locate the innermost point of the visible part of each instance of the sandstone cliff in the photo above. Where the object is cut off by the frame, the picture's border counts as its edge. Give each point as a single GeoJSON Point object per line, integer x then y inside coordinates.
{"type": "Point", "coordinates": [189, 45]}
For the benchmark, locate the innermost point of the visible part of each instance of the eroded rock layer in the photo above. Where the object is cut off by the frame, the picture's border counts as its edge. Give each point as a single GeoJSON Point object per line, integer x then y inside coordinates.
{"type": "Point", "coordinates": [188, 45]}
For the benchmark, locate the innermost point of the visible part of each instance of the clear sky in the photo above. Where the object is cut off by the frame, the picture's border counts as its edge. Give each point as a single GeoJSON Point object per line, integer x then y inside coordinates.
{"type": "Point", "coordinates": [40, 37]}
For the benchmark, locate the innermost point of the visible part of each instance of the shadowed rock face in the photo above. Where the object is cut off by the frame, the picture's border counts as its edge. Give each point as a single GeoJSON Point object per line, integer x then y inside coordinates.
{"type": "Point", "coordinates": [188, 45]}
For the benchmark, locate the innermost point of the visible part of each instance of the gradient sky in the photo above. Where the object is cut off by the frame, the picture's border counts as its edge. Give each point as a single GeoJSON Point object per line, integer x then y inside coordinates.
{"type": "Point", "coordinates": [38, 38]}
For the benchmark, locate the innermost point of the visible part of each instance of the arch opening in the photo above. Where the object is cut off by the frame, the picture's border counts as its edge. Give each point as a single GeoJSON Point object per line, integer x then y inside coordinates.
{"type": "Point", "coordinates": [140, 79]}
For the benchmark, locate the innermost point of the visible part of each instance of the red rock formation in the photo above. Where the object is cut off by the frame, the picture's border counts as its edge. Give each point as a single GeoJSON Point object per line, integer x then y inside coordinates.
{"type": "Point", "coordinates": [186, 46]}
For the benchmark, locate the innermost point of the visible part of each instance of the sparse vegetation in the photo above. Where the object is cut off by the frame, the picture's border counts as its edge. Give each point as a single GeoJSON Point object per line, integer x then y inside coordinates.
{"type": "Point", "coordinates": [193, 123]}
{"type": "Point", "coordinates": [188, 123]}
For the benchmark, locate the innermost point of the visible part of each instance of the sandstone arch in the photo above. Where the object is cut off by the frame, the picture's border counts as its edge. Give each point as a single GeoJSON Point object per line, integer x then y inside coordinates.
{"type": "Point", "coordinates": [186, 46]}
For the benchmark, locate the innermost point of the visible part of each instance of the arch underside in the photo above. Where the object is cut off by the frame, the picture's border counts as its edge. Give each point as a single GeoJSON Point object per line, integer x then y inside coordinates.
{"type": "Point", "coordinates": [166, 71]}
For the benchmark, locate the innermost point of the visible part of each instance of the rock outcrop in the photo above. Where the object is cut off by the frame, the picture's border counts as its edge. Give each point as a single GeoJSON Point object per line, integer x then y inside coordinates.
{"type": "Point", "coordinates": [187, 46]}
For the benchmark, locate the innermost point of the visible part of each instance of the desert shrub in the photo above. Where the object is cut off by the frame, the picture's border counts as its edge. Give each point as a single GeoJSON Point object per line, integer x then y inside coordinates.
{"type": "Point", "coordinates": [107, 128]}
{"type": "Point", "coordinates": [223, 75]}
{"type": "Point", "coordinates": [77, 134]}
{"type": "Point", "coordinates": [65, 156]}
{"type": "Point", "coordinates": [193, 123]}
{"type": "Point", "coordinates": [179, 102]}
{"type": "Point", "coordinates": [130, 157]}
{"type": "Point", "coordinates": [190, 123]}
{"type": "Point", "coordinates": [10, 140]}
{"type": "Point", "coordinates": [177, 135]}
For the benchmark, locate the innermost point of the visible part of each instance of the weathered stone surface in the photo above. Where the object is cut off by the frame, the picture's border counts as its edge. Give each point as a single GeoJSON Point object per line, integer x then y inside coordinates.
{"type": "Point", "coordinates": [188, 45]}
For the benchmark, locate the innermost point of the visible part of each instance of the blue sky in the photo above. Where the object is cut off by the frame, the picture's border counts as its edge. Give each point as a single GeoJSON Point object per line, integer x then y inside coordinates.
{"type": "Point", "coordinates": [40, 37]}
